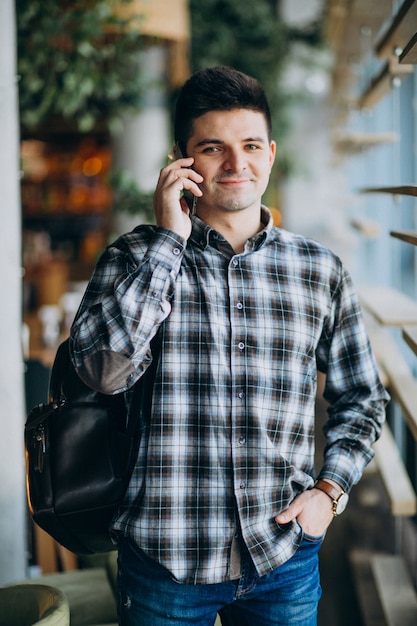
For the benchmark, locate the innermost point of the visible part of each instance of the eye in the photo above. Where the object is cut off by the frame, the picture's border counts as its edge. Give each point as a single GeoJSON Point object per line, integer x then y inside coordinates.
{"type": "Point", "coordinates": [252, 147]}
{"type": "Point", "coordinates": [211, 149]}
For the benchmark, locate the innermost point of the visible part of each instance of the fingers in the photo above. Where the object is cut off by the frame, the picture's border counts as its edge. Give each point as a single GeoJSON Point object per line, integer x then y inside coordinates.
{"type": "Point", "coordinates": [292, 512]}
{"type": "Point", "coordinates": [312, 512]}
{"type": "Point", "coordinates": [171, 210]}
{"type": "Point", "coordinates": [180, 176]}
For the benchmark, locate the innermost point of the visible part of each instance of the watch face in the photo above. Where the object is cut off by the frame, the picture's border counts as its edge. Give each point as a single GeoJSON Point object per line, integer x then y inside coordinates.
{"type": "Point", "coordinates": [341, 503]}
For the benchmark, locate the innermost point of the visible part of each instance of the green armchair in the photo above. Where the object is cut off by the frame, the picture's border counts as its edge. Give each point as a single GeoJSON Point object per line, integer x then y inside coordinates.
{"type": "Point", "coordinates": [33, 604]}
{"type": "Point", "coordinates": [90, 590]}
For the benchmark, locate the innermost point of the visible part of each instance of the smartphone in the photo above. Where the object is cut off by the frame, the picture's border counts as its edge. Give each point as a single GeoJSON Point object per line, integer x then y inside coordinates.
{"type": "Point", "coordinates": [191, 198]}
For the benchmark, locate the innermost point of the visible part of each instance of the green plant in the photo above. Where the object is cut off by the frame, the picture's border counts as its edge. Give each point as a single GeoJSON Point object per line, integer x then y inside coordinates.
{"type": "Point", "coordinates": [128, 198]}
{"type": "Point", "coordinates": [78, 61]}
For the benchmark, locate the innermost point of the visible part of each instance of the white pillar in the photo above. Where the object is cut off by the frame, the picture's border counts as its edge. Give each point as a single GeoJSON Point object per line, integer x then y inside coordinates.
{"type": "Point", "coordinates": [12, 411]}
{"type": "Point", "coordinates": [142, 147]}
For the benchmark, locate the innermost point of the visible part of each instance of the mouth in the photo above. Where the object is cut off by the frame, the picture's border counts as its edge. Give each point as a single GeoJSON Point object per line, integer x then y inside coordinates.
{"type": "Point", "coordinates": [233, 182]}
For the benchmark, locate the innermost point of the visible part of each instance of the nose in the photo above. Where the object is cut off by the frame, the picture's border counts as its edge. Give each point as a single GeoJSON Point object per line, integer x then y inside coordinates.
{"type": "Point", "coordinates": [235, 160]}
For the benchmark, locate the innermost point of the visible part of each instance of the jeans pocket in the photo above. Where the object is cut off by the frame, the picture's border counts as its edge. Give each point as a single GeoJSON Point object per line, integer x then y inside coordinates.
{"type": "Point", "coordinates": [313, 538]}
{"type": "Point", "coordinates": [310, 538]}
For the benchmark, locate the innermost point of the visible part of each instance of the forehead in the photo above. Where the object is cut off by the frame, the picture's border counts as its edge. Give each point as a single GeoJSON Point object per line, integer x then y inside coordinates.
{"type": "Point", "coordinates": [236, 124]}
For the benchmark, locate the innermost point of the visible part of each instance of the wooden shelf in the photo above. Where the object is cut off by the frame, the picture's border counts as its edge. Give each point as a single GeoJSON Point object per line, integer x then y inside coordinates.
{"type": "Point", "coordinates": [407, 236]}
{"type": "Point", "coordinates": [379, 87]}
{"type": "Point", "coordinates": [384, 587]}
{"type": "Point", "coordinates": [353, 143]}
{"type": "Point", "coordinates": [409, 54]}
{"type": "Point", "coordinates": [395, 589]}
{"type": "Point", "coordinates": [400, 31]}
{"type": "Point", "coordinates": [396, 481]}
{"type": "Point", "coordinates": [368, 228]}
{"type": "Point", "coordinates": [410, 337]}
{"type": "Point", "coordinates": [345, 21]}
{"type": "Point", "coordinates": [401, 190]}
{"type": "Point", "coordinates": [397, 374]}
{"type": "Point", "coordinates": [389, 306]}
{"type": "Point", "coordinates": [382, 84]}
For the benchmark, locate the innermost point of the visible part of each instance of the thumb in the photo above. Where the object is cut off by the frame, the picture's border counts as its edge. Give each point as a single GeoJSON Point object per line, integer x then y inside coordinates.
{"type": "Point", "coordinates": [289, 514]}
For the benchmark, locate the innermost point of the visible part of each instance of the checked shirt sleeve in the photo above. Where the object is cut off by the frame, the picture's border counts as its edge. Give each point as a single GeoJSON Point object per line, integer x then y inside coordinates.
{"type": "Point", "coordinates": [353, 390]}
{"type": "Point", "coordinates": [127, 299]}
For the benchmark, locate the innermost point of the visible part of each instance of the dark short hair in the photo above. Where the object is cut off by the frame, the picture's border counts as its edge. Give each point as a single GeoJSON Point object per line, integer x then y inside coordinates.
{"type": "Point", "coordinates": [217, 89]}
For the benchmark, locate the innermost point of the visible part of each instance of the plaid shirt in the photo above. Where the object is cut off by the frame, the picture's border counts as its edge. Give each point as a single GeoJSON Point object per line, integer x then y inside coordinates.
{"type": "Point", "coordinates": [230, 441]}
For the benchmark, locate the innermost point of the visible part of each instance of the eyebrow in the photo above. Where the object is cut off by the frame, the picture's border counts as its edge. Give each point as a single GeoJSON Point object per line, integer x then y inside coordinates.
{"type": "Point", "coordinates": [209, 140]}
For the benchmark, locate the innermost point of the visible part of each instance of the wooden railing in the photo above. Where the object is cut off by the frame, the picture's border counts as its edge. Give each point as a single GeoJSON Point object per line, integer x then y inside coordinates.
{"type": "Point", "coordinates": [385, 589]}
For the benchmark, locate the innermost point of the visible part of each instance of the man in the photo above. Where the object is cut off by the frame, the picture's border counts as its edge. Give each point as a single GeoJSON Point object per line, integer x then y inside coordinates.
{"type": "Point", "coordinates": [223, 513]}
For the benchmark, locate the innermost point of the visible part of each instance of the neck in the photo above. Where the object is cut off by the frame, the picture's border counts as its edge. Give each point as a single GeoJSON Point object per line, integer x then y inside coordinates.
{"type": "Point", "coordinates": [236, 227]}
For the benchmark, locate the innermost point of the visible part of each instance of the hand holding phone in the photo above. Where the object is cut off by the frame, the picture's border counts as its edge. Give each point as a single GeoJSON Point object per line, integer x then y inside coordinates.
{"type": "Point", "coordinates": [190, 197]}
{"type": "Point", "coordinates": [172, 209]}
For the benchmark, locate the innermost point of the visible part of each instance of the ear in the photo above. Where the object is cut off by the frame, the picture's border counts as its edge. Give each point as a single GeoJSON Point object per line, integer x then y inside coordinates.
{"type": "Point", "coordinates": [272, 153]}
{"type": "Point", "coordinates": [178, 153]}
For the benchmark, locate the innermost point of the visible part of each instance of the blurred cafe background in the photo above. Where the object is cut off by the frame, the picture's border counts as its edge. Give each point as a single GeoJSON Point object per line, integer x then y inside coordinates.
{"type": "Point", "coordinates": [87, 90]}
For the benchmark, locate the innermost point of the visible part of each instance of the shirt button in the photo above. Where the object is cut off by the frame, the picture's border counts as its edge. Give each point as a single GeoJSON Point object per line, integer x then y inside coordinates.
{"type": "Point", "coordinates": [239, 306]}
{"type": "Point", "coordinates": [242, 485]}
{"type": "Point", "coordinates": [241, 345]}
{"type": "Point", "coordinates": [241, 395]}
{"type": "Point", "coordinates": [242, 440]}
{"type": "Point", "coordinates": [235, 262]}
{"type": "Point", "coordinates": [176, 251]}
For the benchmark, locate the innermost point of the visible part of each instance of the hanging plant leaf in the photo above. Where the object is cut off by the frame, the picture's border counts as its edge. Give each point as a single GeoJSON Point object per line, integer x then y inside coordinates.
{"type": "Point", "coordinates": [78, 61]}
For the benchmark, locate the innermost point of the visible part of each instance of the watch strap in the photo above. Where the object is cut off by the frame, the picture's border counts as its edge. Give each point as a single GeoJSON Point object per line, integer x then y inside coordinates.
{"type": "Point", "coordinates": [333, 492]}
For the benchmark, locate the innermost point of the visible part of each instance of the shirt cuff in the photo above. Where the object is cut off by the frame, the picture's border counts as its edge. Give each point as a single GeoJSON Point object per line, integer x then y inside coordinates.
{"type": "Point", "coordinates": [166, 248]}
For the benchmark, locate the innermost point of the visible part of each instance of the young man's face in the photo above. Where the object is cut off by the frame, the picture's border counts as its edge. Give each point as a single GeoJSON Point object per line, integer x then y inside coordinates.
{"type": "Point", "coordinates": [232, 152]}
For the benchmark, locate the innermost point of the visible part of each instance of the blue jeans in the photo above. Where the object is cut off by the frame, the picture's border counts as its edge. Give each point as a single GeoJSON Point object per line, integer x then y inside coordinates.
{"type": "Point", "coordinates": [287, 596]}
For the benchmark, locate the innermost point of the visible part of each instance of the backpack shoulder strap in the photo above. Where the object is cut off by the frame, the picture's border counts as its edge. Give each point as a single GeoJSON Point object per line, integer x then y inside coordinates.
{"type": "Point", "coordinates": [60, 368]}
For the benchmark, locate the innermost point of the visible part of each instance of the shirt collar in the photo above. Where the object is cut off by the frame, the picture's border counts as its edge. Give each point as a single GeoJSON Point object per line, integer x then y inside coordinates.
{"type": "Point", "coordinates": [204, 235]}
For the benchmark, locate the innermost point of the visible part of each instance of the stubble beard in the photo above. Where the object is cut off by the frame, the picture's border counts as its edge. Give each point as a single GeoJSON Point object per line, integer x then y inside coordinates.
{"type": "Point", "coordinates": [229, 202]}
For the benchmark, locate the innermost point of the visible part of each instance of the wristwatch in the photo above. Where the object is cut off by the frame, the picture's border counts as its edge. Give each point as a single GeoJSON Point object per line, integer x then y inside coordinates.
{"type": "Point", "coordinates": [338, 497]}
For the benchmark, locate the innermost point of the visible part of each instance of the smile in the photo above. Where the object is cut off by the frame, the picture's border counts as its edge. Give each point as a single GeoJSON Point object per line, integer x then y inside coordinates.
{"type": "Point", "coordinates": [233, 182]}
